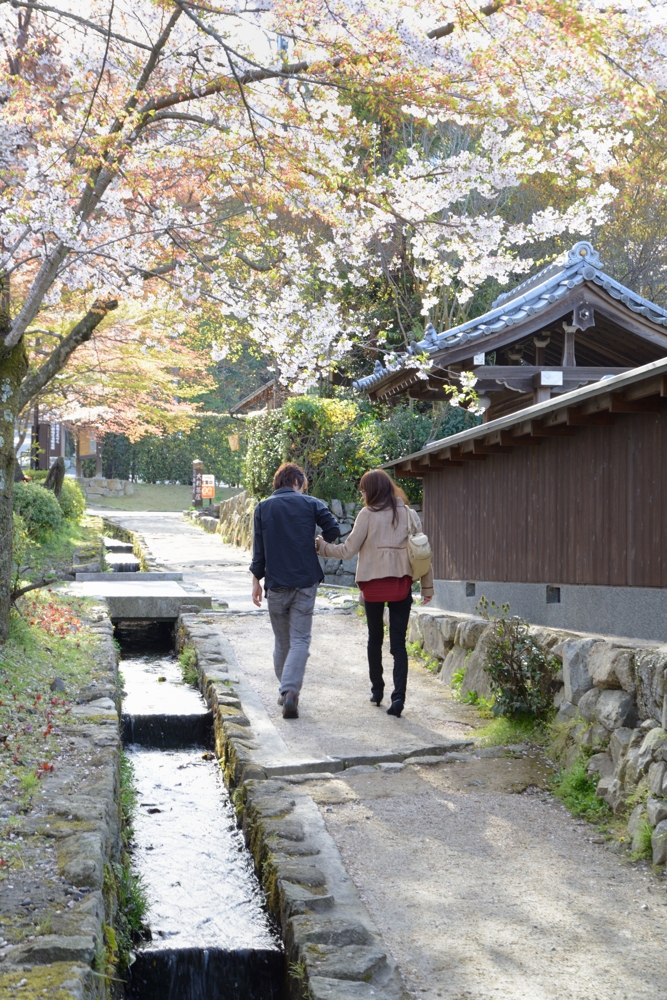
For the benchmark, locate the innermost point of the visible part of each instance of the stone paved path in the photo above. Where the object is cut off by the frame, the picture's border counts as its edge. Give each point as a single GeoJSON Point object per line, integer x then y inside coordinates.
{"type": "Point", "coordinates": [482, 886]}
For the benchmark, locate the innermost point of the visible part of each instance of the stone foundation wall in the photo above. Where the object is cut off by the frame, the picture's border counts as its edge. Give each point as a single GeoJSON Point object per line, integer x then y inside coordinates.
{"type": "Point", "coordinates": [99, 487]}
{"type": "Point", "coordinates": [612, 702]}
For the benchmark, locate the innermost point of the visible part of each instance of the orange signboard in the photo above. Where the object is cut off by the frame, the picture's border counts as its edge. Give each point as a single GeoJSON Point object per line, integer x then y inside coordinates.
{"type": "Point", "coordinates": [208, 487]}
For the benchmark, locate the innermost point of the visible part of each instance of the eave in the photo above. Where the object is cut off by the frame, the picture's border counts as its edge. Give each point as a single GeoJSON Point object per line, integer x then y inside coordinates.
{"type": "Point", "coordinates": [641, 390]}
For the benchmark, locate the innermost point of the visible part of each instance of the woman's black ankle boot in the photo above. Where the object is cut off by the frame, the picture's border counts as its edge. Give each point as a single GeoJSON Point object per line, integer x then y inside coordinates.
{"type": "Point", "coordinates": [395, 709]}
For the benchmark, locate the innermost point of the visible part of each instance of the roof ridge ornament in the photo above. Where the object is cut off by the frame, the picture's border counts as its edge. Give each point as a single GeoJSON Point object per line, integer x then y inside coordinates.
{"type": "Point", "coordinates": [584, 252]}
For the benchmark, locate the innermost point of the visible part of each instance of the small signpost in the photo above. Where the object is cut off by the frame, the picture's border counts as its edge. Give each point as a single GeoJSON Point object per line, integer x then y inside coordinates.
{"type": "Point", "coordinates": [197, 476]}
{"type": "Point", "coordinates": [208, 488]}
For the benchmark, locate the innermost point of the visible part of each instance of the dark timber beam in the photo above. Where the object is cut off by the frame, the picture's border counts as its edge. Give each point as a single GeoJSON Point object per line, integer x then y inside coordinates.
{"type": "Point", "coordinates": [620, 404]}
{"type": "Point", "coordinates": [551, 430]}
{"type": "Point", "coordinates": [577, 418]}
{"type": "Point", "coordinates": [482, 448]}
{"type": "Point", "coordinates": [509, 440]}
{"type": "Point", "coordinates": [466, 456]}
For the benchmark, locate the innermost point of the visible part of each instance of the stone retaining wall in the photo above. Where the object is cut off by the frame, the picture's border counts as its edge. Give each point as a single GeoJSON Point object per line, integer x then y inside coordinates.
{"type": "Point", "coordinates": [80, 824]}
{"type": "Point", "coordinates": [99, 487]}
{"type": "Point", "coordinates": [612, 702]}
{"type": "Point", "coordinates": [233, 519]}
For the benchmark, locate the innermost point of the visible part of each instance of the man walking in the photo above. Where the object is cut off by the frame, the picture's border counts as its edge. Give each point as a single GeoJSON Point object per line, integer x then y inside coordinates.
{"type": "Point", "coordinates": [284, 553]}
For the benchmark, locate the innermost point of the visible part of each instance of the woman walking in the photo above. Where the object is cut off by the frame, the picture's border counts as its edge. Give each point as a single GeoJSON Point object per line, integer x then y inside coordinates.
{"type": "Point", "coordinates": [384, 576]}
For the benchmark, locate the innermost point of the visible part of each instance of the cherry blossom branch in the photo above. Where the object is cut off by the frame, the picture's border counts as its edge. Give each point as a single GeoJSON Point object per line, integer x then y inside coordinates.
{"type": "Point", "coordinates": [75, 17]}
{"type": "Point", "coordinates": [262, 267]}
{"type": "Point", "coordinates": [93, 194]}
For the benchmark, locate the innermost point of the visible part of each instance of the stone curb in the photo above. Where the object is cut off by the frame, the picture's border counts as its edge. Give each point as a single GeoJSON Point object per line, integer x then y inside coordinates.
{"type": "Point", "coordinates": [333, 948]}
{"type": "Point", "coordinates": [80, 815]}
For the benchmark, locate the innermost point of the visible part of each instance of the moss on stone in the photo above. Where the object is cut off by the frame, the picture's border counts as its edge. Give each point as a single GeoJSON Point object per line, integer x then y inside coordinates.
{"type": "Point", "coordinates": [45, 981]}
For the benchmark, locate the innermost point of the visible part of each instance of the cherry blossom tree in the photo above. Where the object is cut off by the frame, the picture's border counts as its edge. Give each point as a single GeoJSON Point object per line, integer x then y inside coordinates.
{"type": "Point", "coordinates": [157, 151]}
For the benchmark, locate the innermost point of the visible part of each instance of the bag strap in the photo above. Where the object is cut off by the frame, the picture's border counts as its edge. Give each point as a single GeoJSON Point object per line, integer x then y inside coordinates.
{"type": "Point", "coordinates": [412, 527]}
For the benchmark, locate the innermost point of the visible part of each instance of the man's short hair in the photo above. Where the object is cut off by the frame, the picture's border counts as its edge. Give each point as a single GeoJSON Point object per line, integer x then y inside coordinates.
{"type": "Point", "coordinates": [287, 475]}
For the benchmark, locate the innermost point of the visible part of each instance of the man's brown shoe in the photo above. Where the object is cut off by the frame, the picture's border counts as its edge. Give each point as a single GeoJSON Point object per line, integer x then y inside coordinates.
{"type": "Point", "coordinates": [291, 706]}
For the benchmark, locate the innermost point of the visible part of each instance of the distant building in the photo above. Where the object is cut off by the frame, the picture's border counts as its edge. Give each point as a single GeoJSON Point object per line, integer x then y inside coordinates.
{"type": "Point", "coordinates": [269, 396]}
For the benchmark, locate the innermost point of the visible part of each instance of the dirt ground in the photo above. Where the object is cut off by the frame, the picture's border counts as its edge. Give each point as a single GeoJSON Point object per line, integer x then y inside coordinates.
{"type": "Point", "coordinates": [482, 886]}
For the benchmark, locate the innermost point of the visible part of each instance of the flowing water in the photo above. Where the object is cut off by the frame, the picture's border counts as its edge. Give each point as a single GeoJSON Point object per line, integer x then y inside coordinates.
{"type": "Point", "coordinates": [210, 935]}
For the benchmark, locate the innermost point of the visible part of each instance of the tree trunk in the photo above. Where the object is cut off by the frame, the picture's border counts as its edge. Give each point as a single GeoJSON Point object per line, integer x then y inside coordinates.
{"type": "Point", "coordinates": [13, 369]}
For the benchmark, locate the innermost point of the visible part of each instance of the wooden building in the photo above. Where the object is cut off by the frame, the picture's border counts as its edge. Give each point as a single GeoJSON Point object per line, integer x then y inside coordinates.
{"type": "Point", "coordinates": [559, 509]}
{"type": "Point", "coordinates": [570, 325]}
{"type": "Point", "coordinates": [558, 505]}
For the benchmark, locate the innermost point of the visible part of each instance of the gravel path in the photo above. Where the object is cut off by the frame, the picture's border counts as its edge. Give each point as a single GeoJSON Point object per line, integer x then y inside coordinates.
{"type": "Point", "coordinates": [482, 893]}
{"type": "Point", "coordinates": [482, 886]}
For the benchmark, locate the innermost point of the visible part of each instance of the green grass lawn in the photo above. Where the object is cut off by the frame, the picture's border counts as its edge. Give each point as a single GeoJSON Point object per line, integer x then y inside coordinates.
{"type": "Point", "coordinates": [149, 496]}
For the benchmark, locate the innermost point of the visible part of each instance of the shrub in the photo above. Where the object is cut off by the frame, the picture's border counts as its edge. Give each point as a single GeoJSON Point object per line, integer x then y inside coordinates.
{"type": "Point", "coordinates": [576, 789]}
{"type": "Point", "coordinates": [522, 676]}
{"type": "Point", "coordinates": [39, 509]}
{"type": "Point", "coordinates": [19, 544]}
{"type": "Point", "coordinates": [72, 500]}
{"type": "Point", "coordinates": [266, 447]}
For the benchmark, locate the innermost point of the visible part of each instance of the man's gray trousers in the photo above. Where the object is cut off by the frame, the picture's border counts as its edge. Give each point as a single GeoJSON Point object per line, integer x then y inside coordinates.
{"type": "Point", "coordinates": [291, 614]}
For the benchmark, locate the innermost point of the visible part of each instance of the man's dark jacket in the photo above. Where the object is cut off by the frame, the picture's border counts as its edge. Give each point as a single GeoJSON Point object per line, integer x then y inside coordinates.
{"type": "Point", "coordinates": [283, 548]}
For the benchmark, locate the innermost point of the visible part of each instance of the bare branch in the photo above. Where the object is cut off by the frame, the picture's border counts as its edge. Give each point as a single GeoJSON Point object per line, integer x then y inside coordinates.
{"type": "Point", "coordinates": [447, 29]}
{"type": "Point", "coordinates": [46, 581]}
{"type": "Point", "coordinates": [100, 75]}
{"type": "Point", "coordinates": [181, 116]}
{"type": "Point", "coordinates": [75, 17]}
{"type": "Point", "coordinates": [262, 267]}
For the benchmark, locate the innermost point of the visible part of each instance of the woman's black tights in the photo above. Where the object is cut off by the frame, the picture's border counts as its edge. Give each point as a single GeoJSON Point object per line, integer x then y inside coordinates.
{"type": "Point", "coordinates": [399, 617]}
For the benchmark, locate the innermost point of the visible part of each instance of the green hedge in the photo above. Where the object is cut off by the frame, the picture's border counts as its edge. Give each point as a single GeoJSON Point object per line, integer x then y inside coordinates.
{"type": "Point", "coordinates": [328, 438]}
{"type": "Point", "coordinates": [169, 459]}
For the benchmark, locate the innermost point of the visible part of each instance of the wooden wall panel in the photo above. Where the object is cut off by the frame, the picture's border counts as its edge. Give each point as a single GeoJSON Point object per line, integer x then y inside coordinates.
{"type": "Point", "coordinates": [588, 509]}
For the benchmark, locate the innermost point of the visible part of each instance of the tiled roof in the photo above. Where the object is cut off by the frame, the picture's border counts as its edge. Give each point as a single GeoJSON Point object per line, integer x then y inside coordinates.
{"type": "Point", "coordinates": [548, 286]}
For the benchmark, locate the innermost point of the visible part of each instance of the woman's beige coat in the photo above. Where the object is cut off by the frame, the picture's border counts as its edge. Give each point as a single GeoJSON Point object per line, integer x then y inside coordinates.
{"type": "Point", "coordinates": [382, 547]}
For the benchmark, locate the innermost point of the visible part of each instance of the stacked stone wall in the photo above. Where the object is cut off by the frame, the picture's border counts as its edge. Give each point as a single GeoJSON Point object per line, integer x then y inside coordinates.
{"type": "Point", "coordinates": [99, 487]}
{"type": "Point", "coordinates": [612, 702]}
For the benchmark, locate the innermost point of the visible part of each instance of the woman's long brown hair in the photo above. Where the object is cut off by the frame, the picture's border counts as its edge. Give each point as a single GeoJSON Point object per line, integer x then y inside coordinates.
{"type": "Point", "coordinates": [382, 492]}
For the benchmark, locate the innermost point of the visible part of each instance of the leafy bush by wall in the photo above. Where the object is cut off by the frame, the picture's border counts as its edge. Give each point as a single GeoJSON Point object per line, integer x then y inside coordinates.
{"type": "Point", "coordinates": [521, 674]}
{"type": "Point", "coordinates": [265, 451]}
{"type": "Point", "coordinates": [39, 509]}
{"type": "Point", "coordinates": [331, 439]}
{"type": "Point", "coordinates": [337, 440]}
{"type": "Point", "coordinates": [72, 500]}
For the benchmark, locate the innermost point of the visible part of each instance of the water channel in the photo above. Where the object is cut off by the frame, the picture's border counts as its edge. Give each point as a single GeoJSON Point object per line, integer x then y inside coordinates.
{"type": "Point", "coordinates": [210, 937]}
